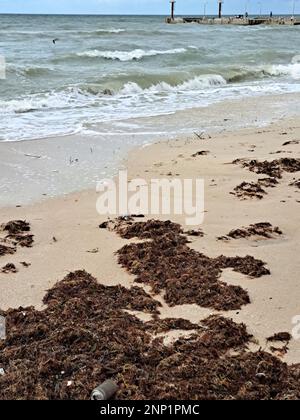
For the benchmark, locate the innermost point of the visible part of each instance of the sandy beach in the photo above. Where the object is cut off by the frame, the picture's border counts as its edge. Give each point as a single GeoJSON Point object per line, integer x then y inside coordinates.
{"type": "Point", "coordinates": [41, 168]}
{"type": "Point", "coordinates": [67, 237]}
{"type": "Point", "coordinates": [149, 202]}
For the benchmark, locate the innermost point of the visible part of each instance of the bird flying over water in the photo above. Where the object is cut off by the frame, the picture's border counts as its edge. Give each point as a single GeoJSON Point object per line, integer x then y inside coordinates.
{"type": "Point", "coordinates": [55, 40]}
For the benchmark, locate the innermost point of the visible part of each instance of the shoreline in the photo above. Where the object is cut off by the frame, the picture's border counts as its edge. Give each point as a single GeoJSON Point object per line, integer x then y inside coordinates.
{"type": "Point", "coordinates": [34, 169]}
{"type": "Point", "coordinates": [67, 237]}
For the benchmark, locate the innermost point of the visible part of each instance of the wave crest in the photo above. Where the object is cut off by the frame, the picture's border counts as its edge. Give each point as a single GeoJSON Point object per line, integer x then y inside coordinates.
{"type": "Point", "coordinates": [195, 84]}
{"type": "Point", "coordinates": [292, 70]}
{"type": "Point", "coordinates": [137, 54]}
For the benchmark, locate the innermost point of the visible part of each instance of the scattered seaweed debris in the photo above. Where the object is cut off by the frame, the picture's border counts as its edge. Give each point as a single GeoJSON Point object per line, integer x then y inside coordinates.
{"type": "Point", "coordinates": [273, 169]}
{"type": "Point", "coordinates": [196, 233]}
{"type": "Point", "coordinates": [292, 142]}
{"type": "Point", "coordinates": [16, 227]}
{"type": "Point", "coordinates": [6, 250]}
{"type": "Point", "coordinates": [282, 336]}
{"type": "Point", "coordinates": [167, 264]}
{"type": "Point", "coordinates": [280, 351]}
{"type": "Point", "coordinates": [24, 241]}
{"type": "Point", "coordinates": [268, 182]}
{"type": "Point", "coordinates": [247, 190]}
{"type": "Point", "coordinates": [16, 234]}
{"type": "Point", "coordinates": [295, 183]}
{"type": "Point", "coordinates": [104, 225]}
{"type": "Point", "coordinates": [201, 153]}
{"type": "Point", "coordinates": [25, 264]}
{"type": "Point", "coordinates": [263, 230]}
{"type": "Point", "coordinates": [9, 268]}
{"type": "Point", "coordinates": [85, 336]}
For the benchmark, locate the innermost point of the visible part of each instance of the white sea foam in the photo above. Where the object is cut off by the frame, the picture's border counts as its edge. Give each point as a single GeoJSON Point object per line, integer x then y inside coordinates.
{"type": "Point", "coordinates": [296, 59]}
{"type": "Point", "coordinates": [110, 31]}
{"type": "Point", "coordinates": [136, 54]}
{"type": "Point", "coordinates": [292, 70]}
{"type": "Point", "coordinates": [195, 84]}
{"type": "Point", "coordinates": [45, 101]}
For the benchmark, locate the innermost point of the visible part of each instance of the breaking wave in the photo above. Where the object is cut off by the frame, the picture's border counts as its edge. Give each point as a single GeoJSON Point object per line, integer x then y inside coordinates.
{"type": "Point", "coordinates": [195, 84]}
{"type": "Point", "coordinates": [84, 96]}
{"type": "Point", "coordinates": [292, 70]}
{"type": "Point", "coordinates": [29, 71]}
{"type": "Point", "coordinates": [137, 54]}
{"type": "Point", "coordinates": [87, 96]}
{"type": "Point", "coordinates": [272, 70]}
{"type": "Point", "coordinates": [109, 31]}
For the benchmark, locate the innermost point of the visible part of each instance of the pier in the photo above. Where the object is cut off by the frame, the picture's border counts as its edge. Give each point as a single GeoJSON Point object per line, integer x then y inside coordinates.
{"type": "Point", "coordinates": [242, 20]}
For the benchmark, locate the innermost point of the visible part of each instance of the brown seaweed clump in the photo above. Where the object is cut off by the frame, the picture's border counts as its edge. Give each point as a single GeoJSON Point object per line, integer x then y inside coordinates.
{"type": "Point", "coordinates": [247, 190]}
{"type": "Point", "coordinates": [295, 183]}
{"type": "Point", "coordinates": [15, 234]}
{"type": "Point", "coordinates": [16, 227]}
{"type": "Point", "coordinates": [201, 153]}
{"type": "Point", "coordinates": [6, 250]}
{"type": "Point", "coordinates": [291, 142]}
{"type": "Point", "coordinates": [262, 230]}
{"type": "Point", "coordinates": [268, 182]}
{"type": "Point", "coordinates": [282, 336]}
{"type": "Point", "coordinates": [9, 268]}
{"type": "Point", "coordinates": [273, 169]}
{"type": "Point", "coordinates": [167, 264]}
{"type": "Point", "coordinates": [85, 336]}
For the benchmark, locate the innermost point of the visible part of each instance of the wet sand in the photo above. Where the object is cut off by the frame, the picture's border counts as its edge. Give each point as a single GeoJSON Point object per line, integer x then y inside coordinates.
{"type": "Point", "coordinates": [34, 170]}
{"type": "Point", "coordinates": [67, 236]}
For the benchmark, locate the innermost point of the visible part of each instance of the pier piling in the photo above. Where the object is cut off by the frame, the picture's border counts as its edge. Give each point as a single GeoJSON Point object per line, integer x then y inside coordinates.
{"type": "Point", "coordinates": [172, 9]}
{"type": "Point", "coordinates": [220, 8]}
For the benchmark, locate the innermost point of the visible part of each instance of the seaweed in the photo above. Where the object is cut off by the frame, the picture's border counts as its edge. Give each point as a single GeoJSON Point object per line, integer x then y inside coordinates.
{"type": "Point", "coordinates": [273, 169]}
{"type": "Point", "coordinates": [6, 250]}
{"type": "Point", "coordinates": [9, 268]}
{"type": "Point", "coordinates": [291, 142]}
{"type": "Point", "coordinates": [247, 190]}
{"type": "Point", "coordinates": [282, 336]}
{"type": "Point", "coordinates": [85, 336]}
{"type": "Point", "coordinates": [295, 183]}
{"type": "Point", "coordinates": [201, 153]}
{"type": "Point", "coordinates": [185, 276]}
{"type": "Point", "coordinates": [16, 234]}
{"type": "Point", "coordinates": [262, 229]}
{"type": "Point", "coordinates": [16, 227]}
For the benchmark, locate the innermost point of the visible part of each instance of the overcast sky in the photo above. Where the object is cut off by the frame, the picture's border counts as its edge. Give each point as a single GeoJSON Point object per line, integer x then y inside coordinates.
{"type": "Point", "coordinates": [143, 6]}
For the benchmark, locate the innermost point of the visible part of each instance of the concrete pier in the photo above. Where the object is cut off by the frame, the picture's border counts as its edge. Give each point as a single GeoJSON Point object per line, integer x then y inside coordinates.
{"type": "Point", "coordinates": [236, 20]}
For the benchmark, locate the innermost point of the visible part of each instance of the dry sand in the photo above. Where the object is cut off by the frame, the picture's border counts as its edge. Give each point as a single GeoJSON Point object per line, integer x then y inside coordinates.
{"type": "Point", "coordinates": [67, 236]}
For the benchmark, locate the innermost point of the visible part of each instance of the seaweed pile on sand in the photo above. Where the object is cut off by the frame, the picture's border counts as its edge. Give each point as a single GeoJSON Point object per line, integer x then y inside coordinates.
{"type": "Point", "coordinates": [165, 262]}
{"type": "Point", "coordinates": [85, 336]}
{"type": "Point", "coordinates": [259, 230]}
